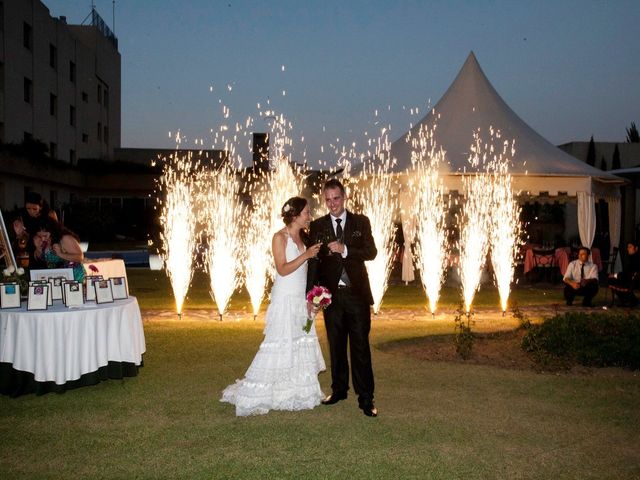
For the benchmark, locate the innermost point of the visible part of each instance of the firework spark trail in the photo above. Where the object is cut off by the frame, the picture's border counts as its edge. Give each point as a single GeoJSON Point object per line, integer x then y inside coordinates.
{"type": "Point", "coordinates": [222, 218]}
{"type": "Point", "coordinates": [506, 230]}
{"type": "Point", "coordinates": [256, 260]}
{"type": "Point", "coordinates": [374, 194]}
{"type": "Point", "coordinates": [430, 213]}
{"type": "Point", "coordinates": [178, 222]}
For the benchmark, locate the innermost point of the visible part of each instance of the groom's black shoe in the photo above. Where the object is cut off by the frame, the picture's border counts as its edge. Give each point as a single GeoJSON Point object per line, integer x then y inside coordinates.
{"type": "Point", "coordinates": [334, 398]}
{"type": "Point", "coordinates": [369, 409]}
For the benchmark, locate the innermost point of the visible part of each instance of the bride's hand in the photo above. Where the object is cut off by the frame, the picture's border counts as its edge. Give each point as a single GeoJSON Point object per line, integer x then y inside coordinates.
{"type": "Point", "coordinates": [313, 250]}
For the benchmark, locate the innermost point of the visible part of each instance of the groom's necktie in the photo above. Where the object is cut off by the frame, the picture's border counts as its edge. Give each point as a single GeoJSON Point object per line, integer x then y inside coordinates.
{"type": "Point", "coordinates": [344, 278]}
{"type": "Point", "coordinates": [582, 272]}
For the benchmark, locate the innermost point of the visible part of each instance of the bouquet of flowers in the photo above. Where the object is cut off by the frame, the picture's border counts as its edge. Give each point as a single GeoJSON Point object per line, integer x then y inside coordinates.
{"type": "Point", "coordinates": [16, 275]}
{"type": "Point", "coordinates": [318, 298]}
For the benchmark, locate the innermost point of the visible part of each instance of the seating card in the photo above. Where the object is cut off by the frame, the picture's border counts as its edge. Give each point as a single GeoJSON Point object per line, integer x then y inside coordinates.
{"type": "Point", "coordinates": [104, 294]}
{"type": "Point", "coordinates": [9, 295]}
{"type": "Point", "coordinates": [73, 294]}
{"type": "Point", "coordinates": [44, 282]}
{"type": "Point", "coordinates": [119, 287]}
{"type": "Point", "coordinates": [55, 285]}
{"type": "Point", "coordinates": [90, 294]}
{"type": "Point", "coordinates": [38, 295]}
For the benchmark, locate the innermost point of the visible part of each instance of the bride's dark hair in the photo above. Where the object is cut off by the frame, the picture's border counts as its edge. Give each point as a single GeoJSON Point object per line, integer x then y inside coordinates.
{"type": "Point", "coordinates": [291, 209]}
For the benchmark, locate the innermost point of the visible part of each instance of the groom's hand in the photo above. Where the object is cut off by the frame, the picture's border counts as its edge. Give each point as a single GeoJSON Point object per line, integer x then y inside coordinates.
{"type": "Point", "coordinates": [336, 247]}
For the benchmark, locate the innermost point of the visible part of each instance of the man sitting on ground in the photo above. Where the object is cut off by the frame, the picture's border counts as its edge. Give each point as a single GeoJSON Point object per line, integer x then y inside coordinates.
{"type": "Point", "coordinates": [622, 283]}
{"type": "Point", "coordinates": [581, 278]}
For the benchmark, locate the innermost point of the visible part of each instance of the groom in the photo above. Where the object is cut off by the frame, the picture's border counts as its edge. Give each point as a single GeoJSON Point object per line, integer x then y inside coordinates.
{"type": "Point", "coordinates": [339, 266]}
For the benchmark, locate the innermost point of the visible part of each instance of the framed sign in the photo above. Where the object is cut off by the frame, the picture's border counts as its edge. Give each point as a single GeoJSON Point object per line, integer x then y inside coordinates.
{"type": "Point", "coordinates": [9, 295]}
{"type": "Point", "coordinates": [104, 294]}
{"type": "Point", "coordinates": [45, 274]}
{"type": "Point", "coordinates": [46, 283]}
{"type": "Point", "coordinates": [73, 294]}
{"type": "Point", "coordinates": [38, 294]}
{"type": "Point", "coordinates": [6, 251]}
{"type": "Point", "coordinates": [55, 284]}
{"type": "Point", "coordinates": [119, 287]}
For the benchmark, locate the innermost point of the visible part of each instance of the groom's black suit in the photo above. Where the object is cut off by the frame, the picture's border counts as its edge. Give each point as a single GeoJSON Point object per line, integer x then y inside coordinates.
{"type": "Point", "coordinates": [348, 318]}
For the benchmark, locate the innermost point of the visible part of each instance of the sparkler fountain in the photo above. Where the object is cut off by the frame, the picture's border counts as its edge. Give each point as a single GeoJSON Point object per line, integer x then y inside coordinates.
{"type": "Point", "coordinates": [178, 224]}
{"type": "Point", "coordinates": [223, 217]}
{"type": "Point", "coordinates": [429, 210]}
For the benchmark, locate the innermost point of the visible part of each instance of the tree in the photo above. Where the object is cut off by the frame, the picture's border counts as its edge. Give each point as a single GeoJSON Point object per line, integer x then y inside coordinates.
{"type": "Point", "coordinates": [615, 163]}
{"type": "Point", "coordinates": [591, 153]}
{"type": "Point", "coordinates": [603, 164]}
{"type": "Point", "coordinates": [632, 134]}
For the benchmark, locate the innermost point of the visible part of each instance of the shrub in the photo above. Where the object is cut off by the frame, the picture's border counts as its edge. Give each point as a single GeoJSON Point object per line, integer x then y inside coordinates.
{"type": "Point", "coordinates": [611, 340]}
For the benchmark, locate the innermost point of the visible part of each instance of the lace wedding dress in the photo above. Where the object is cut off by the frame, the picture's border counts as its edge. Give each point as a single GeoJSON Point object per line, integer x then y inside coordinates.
{"type": "Point", "coordinates": [284, 372]}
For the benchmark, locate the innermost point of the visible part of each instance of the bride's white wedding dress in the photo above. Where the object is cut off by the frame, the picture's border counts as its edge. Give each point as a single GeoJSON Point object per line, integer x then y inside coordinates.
{"type": "Point", "coordinates": [284, 372]}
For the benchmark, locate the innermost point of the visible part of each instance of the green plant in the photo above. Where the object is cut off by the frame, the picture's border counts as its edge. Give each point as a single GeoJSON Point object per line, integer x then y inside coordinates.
{"type": "Point", "coordinates": [463, 337]}
{"type": "Point", "coordinates": [587, 339]}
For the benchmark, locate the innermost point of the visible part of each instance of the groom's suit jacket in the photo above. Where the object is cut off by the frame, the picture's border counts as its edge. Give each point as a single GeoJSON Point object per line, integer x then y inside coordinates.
{"type": "Point", "coordinates": [326, 268]}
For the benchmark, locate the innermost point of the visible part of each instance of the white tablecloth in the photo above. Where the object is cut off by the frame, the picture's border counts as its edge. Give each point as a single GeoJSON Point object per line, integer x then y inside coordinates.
{"type": "Point", "coordinates": [60, 344]}
{"type": "Point", "coordinates": [108, 268]}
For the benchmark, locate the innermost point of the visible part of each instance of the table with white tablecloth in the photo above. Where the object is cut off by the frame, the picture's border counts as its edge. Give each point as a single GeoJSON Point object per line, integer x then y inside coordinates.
{"type": "Point", "coordinates": [62, 348]}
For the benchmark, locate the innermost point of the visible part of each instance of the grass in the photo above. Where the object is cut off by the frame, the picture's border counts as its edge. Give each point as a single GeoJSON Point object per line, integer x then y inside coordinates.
{"type": "Point", "coordinates": [437, 420]}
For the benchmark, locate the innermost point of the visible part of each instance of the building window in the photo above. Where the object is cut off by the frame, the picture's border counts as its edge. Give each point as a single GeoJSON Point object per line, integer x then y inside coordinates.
{"type": "Point", "coordinates": [106, 135]}
{"type": "Point", "coordinates": [27, 36]}
{"type": "Point", "coordinates": [72, 157]}
{"type": "Point", "coordinates": [28, 90]}
{"type": "Point", "coordinates": [72, 115]}
{"type": "Point", "coordinates": [53, 57]}
{"type": "Point", "coordinates": [106, 98]}
{"type": "Point", "coordinates": [99, 131]}
{"type": "Point", "coordinates": [53, 150]}
{"type": "Point", "coordinates": [72, 72]}
{"type": "Point", "coordinates": [85, 138]}
{"type": "Point", "coordinates": [99, 93]}
{"type": "Point", "coordinates": [53, 105]}
{"type": "Point", "coordinates": [85, 97]}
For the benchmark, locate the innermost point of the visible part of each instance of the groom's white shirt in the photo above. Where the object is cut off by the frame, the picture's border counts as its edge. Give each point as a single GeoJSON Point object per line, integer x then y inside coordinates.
{"type": "Point", "coordinates": [342, 217]}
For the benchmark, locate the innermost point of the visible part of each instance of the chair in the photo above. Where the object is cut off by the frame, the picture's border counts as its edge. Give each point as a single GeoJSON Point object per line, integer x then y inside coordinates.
{"type": "Point", "coordinates": [544, 261]}
{"type": "Point", "coordinates": [609, 265]}
{"type": "Point", "coordinates": [634, 285]}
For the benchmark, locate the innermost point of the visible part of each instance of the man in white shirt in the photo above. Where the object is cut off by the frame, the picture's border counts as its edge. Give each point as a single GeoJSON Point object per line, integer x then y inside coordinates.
{"type": "Point", "coordinates": [581, 278]}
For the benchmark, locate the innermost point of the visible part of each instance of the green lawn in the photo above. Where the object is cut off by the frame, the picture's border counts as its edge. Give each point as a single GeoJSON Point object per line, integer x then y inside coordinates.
{"type": "Point", "coordinates": [437, 420]}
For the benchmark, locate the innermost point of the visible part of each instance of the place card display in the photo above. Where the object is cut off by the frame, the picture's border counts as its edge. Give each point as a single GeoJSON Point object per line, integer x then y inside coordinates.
{"type": "Point", "coordinates": [55, 285]}
{"type": "Point", "coordinates": [119, 287]}
{"type": "Point", "coordinates": [104, 294]}
{"type": "Point", "coordinates": [73, 294]}
{"type": "Point", "coordinates": [9, 295]}
{"type": "Point", "coordinates": [90, 293]}
{"type": "Point", "coordinates": [38, 294]}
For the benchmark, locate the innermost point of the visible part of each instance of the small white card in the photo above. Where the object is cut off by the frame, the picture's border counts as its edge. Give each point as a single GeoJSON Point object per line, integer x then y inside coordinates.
{"type": "Point", "coordinates": [119, 287]}
{"type": "Point", "coordinates": [73, 294]}
{"type": "Point", "coordinates": [104, 294]}
{"type": "Point", "coordinates": [46, 283]}
{"type": "Point", "coordinates": [90, 289]}
{"type": "Point", "coordinates": [45, 274]}
{"type": "Point", "coordinates": [55, 285]}
{"type": "Point", "coordinates": [9, 295]}
{"type": "Point", "coordinates": [38, 295]}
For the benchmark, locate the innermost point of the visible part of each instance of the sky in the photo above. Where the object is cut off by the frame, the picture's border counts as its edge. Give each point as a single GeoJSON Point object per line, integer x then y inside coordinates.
{"type": "Point", "coordinates": [570, 69]}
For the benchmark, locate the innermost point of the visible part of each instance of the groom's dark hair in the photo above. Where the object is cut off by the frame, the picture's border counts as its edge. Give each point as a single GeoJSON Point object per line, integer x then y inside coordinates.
{"type": "Point", "coordinates": [333, 183]}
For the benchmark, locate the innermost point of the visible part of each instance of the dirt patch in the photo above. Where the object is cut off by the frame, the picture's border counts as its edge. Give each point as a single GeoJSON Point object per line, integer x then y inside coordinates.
{"type": "Point", "coordinates": [500, 349]}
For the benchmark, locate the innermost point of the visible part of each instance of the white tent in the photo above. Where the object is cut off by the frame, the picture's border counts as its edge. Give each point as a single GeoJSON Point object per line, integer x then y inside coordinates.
{"type": "Point", "coordinates": [471, 103]}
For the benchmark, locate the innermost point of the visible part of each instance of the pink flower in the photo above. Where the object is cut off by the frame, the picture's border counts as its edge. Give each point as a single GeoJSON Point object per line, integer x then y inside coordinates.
{"type": "Point", "coordinates": [318, 297]}
{"type": "Point", "coordinates": [93, 268]}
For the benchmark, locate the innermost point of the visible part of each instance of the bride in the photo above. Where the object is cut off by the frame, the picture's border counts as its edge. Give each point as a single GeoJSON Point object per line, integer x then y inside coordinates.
{"type": "Point", "coordinates": [284, 372]}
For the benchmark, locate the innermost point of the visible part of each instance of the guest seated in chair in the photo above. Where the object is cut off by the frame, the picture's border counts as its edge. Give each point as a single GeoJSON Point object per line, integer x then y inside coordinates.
{"type": "Point", "coordinates": [58, 247]}
{"type": "Point", "coordinates": [623, 283]}
{"type": "Point", "coordinates": [581, 278]}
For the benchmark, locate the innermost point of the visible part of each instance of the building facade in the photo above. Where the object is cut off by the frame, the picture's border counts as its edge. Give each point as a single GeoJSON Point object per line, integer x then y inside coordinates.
{"type": "Point", "coordinates": [59, 83]}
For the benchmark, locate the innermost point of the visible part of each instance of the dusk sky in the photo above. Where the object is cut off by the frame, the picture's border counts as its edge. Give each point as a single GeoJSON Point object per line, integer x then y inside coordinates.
{"type": "Point", "coordinates": [570, 69]}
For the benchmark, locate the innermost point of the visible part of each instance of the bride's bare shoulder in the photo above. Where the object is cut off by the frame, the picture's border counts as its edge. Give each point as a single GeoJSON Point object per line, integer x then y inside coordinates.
{"type": "Point", "coordinates": [281, 235]}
